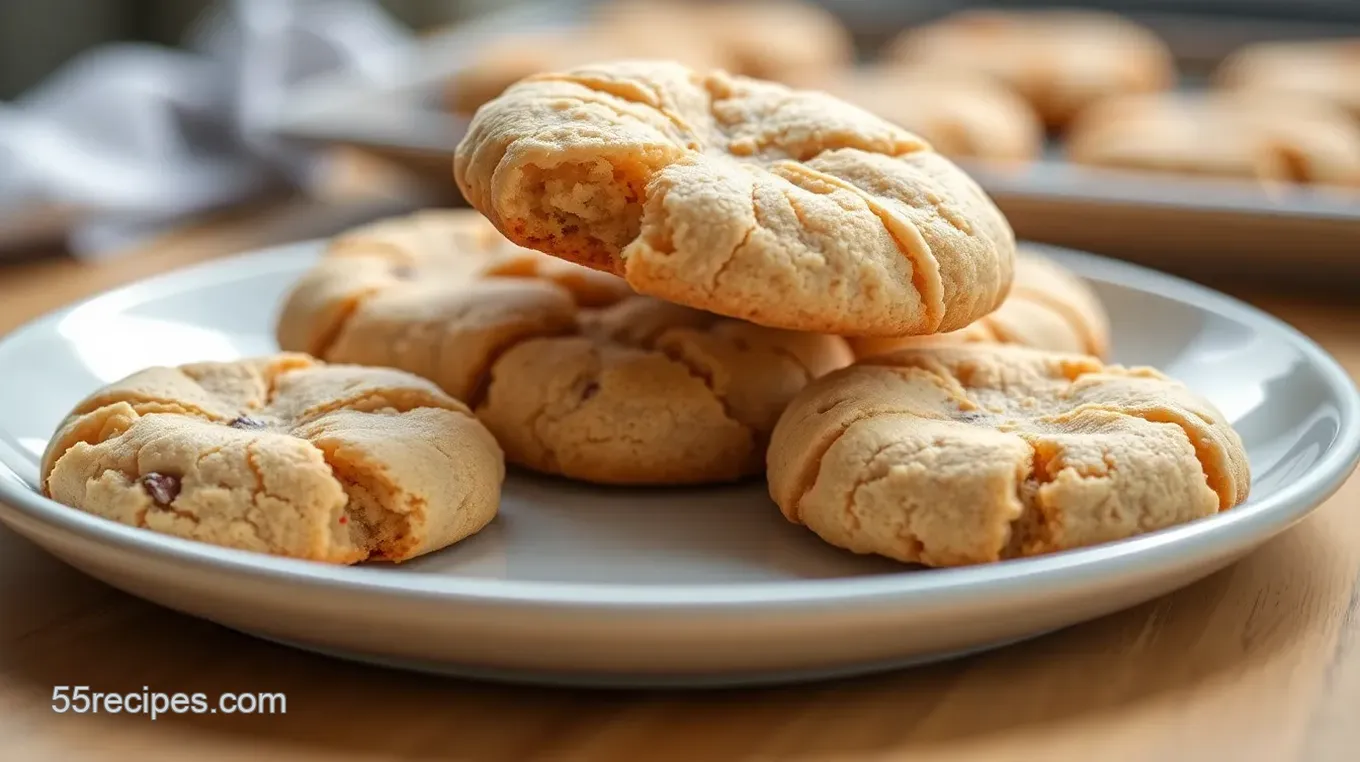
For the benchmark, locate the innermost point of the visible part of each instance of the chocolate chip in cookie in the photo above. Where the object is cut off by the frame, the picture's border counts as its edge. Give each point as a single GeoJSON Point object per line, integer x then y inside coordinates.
{"type": "Point", "coordinates": [163, 488]}
{"type": "Point", "coordinates": [246, 422]}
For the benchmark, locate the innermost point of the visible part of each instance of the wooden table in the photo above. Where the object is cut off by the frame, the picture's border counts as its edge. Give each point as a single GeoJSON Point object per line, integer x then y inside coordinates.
{"type": "Point", "coordinates": [1258, 662]}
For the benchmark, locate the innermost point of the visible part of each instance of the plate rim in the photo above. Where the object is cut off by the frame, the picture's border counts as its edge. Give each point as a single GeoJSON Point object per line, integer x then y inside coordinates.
{"type": "Point", "coordinates": [1250, 523]}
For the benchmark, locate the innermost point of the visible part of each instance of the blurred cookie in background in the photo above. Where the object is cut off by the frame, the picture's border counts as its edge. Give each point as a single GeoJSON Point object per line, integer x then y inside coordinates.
{"type": "Point", "coordinates": [964, 115]}
{"type": "Point", "coordinates": [1061, 61]}
{"type": "Point", "coordinates": [1273, 139]}
{"type": "Point", "coordinates": [782, 40]}
{"type": "Point", "coordinates": [614, 33]}
{"type": "Point", "coordinates": [1325, 69]}
{"type": "Point", "coordinates": [787, 41]}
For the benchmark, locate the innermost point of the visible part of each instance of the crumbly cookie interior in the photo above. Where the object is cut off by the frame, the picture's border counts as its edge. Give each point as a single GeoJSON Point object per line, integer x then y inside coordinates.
{"type": "Point", "coordinates": [591, 207]}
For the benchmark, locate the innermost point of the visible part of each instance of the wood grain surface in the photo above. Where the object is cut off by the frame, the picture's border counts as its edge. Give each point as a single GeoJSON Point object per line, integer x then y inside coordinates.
{"type": "Point", "coordinates": [1258, 662]}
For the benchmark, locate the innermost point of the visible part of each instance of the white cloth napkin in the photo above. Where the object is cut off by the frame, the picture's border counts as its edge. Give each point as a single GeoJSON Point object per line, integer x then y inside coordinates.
{"type": "Point", "coordinates": [129, 138]}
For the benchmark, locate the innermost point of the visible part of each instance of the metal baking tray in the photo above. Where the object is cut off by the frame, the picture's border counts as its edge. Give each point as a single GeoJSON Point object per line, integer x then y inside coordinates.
{"type": "Point", "coordinates": [1197, 227]}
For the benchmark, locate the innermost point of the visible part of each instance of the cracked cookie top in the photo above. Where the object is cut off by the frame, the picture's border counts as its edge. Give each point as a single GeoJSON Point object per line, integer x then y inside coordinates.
{"type": "Point", "coordinates": [1060, 60]}
{"type": "Point", "coordinates": [787, 208]}
{"type": "Point", "coordinates": [975, 453]}
{"type": "Point", "coordinates": [573, 373]}
{"type": "Point", "coordinates": [1049, 307]}
{"type": "Point", "coordinates": [282, 455]}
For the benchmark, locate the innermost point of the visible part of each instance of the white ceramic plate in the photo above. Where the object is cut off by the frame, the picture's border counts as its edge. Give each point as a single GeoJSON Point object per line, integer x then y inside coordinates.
{"type": "Point", "coordinates": [577, 584]}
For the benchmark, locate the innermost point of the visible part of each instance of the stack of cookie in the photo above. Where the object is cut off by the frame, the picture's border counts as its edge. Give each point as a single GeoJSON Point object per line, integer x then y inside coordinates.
{"type": "Point", "coordinates": [671, 277]}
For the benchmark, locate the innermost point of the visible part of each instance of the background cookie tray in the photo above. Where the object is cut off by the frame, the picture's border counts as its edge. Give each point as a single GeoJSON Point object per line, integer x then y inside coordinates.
{"type": "Point", "coordinates": [1196, 227]}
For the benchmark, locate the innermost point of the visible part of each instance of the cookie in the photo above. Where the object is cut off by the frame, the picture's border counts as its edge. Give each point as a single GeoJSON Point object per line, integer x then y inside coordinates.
{"type": "Point", "coordinates": [1049, 307]}
{"type": "Point", "coordinates": [1230, 135]}
{"type": "Point", "coordinates": [620, 31]}
{"type": "Point", "coordinates": [282, 455]}
{"type": "Point", "coordinates": [976, 453]}
{"type": "Point", "coordinates": [1327, 70]}
{"type": "Point", "coordinates": [573, 378]}
{"type": "Point", "coordinates": [786, 41]}
{"type": "Point", "coordinates": [963, 115]}
{"type": "Point", "coordinates": [1061, 61]}
{"type": "Point", "coordinates": [786, 208]}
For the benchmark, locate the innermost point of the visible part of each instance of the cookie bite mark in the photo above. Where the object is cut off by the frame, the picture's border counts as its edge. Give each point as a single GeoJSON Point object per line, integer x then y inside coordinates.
{"type": "Point", "coordinates": [588, 210]}
{"type": "Point", "coordinates": [279, 515]}
{"type": "Point", "coordinates": [1039, 526]}
{"type": "Point", "coordinates": [377, 512]}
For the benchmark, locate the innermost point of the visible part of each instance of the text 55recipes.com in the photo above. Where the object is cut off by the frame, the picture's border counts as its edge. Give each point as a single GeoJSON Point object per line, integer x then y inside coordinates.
{"type": "Point", "coordinates": [80, 699]}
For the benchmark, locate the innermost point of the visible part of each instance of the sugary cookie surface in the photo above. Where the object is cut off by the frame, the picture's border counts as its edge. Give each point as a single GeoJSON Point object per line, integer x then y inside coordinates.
{"type": "Point", "coordinates": [281, 455]}
{"type": "Point", "coordinates": [787, 208]}
{"type": "Point", "coordinates": [573, 373]}
{"type": "Point", "coordinates": [1049, 307]}
{"type": "Point", "coordinates": [976, 453]}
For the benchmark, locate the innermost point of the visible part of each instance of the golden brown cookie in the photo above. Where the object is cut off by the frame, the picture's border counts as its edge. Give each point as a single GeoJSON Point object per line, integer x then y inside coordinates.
{"type": "Point", "coordinates": [789, 41]}
{"type": "Point", "coordinates": [636, 392]}
{"type": "Point", "coordinates": [1327, 70]}
{"type": "Point", "coordinates": [976, 453]}
{"type": "Point", "coordinates": [281, 455]}
{"type": "Point", "coordinates": [787, 208]}
{"type": "Point", "coordinates": [1061, 61]}
{"type": "Point", "coordinates": [618, 30]}
{"type": "Point", "coordinates": [1049, 307]}
{"type": "Point", "coordinates": [1230, 135]}
{"type": "Point", "coordinates": [961, 114]}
